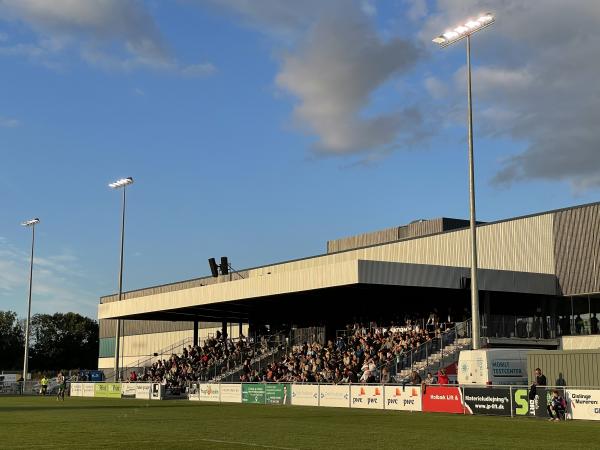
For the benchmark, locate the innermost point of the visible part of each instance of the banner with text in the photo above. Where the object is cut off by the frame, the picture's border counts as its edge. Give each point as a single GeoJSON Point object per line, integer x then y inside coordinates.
{"type": "Point", "coordinates": [231, 393]}
{"type": "Point", "coordinates": [443, 399]}
{"type": "Point", "coordinates": [529, 404]}
{"type": "Point", "coordinates": [209, 392]}
{"type": "Point", "coordinates": [88, 390]}
{"type": "Point", "coordinates": [76, 390]}
{"type": "Point", "coordinates": [278, 394]}
{"type": "Point", "coordinates": [366, 396]}
{"type": "Point", "coordinates": [305, 394]}
{"type": "Point", "coordinates": [253, 393]}
{"type": "Point", "coordinates": [334, 396]}
{"type": "Point", "coordinates": [492, 401]}
{"type": "Point", "coordinates": [107, 390]}
{"type": "Point", "coordinates": [128, 389]}
{"type": "Point", "coordinates": [403, 398]}
{"type": "Point", "coordinates": [583, 404]}
{"type": "Point", "coordinates": [143, 390]}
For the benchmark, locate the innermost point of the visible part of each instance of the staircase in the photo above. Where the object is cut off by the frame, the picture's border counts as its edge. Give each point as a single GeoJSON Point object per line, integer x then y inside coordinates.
{"type": "Point", "coordinates": [435, 354]}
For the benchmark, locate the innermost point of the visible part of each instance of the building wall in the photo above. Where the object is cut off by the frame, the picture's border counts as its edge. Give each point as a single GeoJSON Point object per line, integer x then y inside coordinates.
{"type": "Point", "coordinates": [580, 342]}
{"type": "Point", "coordinates": [574, 368]}
{"type": "Point", "coordinates": [523, 245]}
{"type": "Point", "coordinates": [577, 236]}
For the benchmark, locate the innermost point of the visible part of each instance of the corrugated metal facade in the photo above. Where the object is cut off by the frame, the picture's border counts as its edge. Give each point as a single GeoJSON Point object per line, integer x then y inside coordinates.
{"type": "Point", "coordinates": [135, 327]}
{"type": "Point", "coordinates": [577, 245]}
{"type": "Point", "coordinates": [417, 228]}
{"type": "Point", "coordinates": [568, 368]}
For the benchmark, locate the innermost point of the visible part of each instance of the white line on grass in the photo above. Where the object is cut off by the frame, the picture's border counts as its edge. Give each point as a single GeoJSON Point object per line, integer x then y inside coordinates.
{"type": "Point", "coordinates": [218, 441]}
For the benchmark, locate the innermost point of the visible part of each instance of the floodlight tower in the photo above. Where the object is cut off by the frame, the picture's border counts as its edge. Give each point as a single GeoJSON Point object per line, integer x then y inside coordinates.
{"type": "Point", "coordinates": [120, 184]}
{"type": "Point", "coordinates": [450, 37]}
{"type": "Point", "coordinates": [30, 224]}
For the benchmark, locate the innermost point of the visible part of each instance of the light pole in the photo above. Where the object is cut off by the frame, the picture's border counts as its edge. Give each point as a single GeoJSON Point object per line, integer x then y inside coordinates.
{"type": "Point", "coordinates": [120, 184]}
{"type": "Point", "coordinates": [450, 37]}
{"type": "Point", "coordinates": [31, 224]}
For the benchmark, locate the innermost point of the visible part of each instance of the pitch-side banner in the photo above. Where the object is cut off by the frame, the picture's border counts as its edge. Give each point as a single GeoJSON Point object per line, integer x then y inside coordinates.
{"type": "Point", "coordinates": [443, 399]}
{"type": "Point", "coordinates": [334, 396]}
{"type": "Point", "coordinates": [403, 398]}
{"type": "Point", "coordinates": [143, 390]}
{"type": "Point", "coordinates": [366, 396]}
{"type": "Point", "coordinates": [231, 393]}
{"type": "Point", "coordinates": [491, 401]}
{"type": "Point", "coordinates": [527, 405]}
{"type": "Point", "coordinates": [584, 404]}
{"type": "Point", "coordinates": [128, 389]}
{"type": "Point", "coordinates": [278, 394]}
{"type": "Point", "coordinates": [88, 390]}
{"type": "Point", "coordinates": [253, 393]}
{"type": "Point", "coordinates": [209, 392]}
{"type": "Point", "coordinates": [305, 394]}
{"type": "Point", "coordinates": [76, 390]}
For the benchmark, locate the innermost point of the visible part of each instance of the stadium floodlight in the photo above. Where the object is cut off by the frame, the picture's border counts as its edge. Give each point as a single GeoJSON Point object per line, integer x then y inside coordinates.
{"type": "Point", "coordinates": [122, 183]}
{"type": "Point", "coordinates": [29, 224]}
{"type": "Point", "coordinates": [462, 31]}
{"type": "Point", "coordinates": [465, 30]}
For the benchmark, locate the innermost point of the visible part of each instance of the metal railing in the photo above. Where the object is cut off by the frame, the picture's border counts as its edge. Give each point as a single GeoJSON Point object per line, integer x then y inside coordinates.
{"type": "Point", "coordinates": [432, 354]}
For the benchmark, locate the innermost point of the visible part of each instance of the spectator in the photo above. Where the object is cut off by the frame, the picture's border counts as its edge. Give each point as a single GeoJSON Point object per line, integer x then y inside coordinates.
{"type": "Point", "coordinates": [557, 406]}
{"type": "Point", "coordinates": [578, 324]}
{"type": "Point", "coordinates": [415, 378]}
{"type": "Point", "coordinates": [540, 378]}
{"type": "Point", "coordinates": [442, 377]}
{"type": "Point", "coordinates": [594, 324]}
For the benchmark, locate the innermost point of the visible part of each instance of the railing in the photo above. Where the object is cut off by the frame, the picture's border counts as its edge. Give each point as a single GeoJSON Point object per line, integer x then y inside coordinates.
{"type": "Point", "coordinates": [525, 327]}
{"type": "Point", "coordinates": [147, 361]}
{"type": "Point", "coordinates": [431, 354]}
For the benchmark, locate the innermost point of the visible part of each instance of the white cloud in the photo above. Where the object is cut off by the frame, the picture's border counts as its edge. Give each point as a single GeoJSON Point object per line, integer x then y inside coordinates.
{"type": "Point", "coordinates": [534, 81]}
{"type": "Point", "coordinates": [93, 27]}
{"type": "Point", "coordinates": [57, 281]}
{"type": "Point", "coordinates": [9, 122]}
{"type": "Point", "coordinates": [334, 64]}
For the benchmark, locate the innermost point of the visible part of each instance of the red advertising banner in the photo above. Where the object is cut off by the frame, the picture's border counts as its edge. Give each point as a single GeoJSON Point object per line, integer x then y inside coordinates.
{"type": "Point", "coordinates": [443, 399]}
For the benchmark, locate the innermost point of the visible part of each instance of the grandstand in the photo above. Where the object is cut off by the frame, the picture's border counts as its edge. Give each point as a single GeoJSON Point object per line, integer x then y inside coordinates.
{"type": "Point", "coordinates": [538, 283]}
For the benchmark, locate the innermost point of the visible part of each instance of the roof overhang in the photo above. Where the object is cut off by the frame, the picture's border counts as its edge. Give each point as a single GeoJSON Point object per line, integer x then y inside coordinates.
{"type": "Point", "coordinates": [201, 300]}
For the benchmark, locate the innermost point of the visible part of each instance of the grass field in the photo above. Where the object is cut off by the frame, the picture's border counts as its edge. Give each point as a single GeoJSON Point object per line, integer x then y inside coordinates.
{"type": "Point", "coordinates": [119, 423]}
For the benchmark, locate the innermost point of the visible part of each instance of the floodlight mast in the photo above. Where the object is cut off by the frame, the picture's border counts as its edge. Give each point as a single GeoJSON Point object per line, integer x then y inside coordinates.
{"type": "Point", "coordinates": [29, 224]}
{"type": "Point", "coordinates": [450, 37]}
{"type": "Point", "coordinates": [122, 183]}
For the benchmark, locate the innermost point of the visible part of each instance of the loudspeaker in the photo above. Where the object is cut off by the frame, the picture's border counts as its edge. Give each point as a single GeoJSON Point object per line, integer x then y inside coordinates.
{"type": "Point", "coordinates": [214, 269]}
{"type": "Point", "coordinates": [465, 282]}
{"type": "Point", "coordinates": [224, 265]}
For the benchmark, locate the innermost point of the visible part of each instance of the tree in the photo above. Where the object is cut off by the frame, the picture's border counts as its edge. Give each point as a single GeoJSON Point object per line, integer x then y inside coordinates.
{"type": "Point", "coordinates": [63, 341]}
{"type": "Point", "coordinates": [11, 341]}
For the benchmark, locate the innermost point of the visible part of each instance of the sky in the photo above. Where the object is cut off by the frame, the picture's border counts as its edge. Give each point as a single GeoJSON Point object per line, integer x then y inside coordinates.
{"type": "Point", "coordinates": [261, 129]}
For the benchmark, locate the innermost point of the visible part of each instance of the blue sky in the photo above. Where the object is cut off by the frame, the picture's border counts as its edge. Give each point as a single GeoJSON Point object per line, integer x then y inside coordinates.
{"type": "Point", "coordinates": [259, 130]}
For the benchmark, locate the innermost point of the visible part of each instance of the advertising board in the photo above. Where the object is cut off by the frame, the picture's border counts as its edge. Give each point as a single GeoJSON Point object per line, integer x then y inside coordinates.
{"type": "Point", "coordinates": [366, 396]}
{"type": "Point", "coordinates": [278, 394]}
{"type": "Point", "coordinates": [143, 390]}
{"type": "Point", "coordinates": [253, 393]}
{"type": "Point", "coordinates": [583, 404]}
{"type": "Point", "coordinates": [128, 389]}
{"type": "Point", "coordinates": [209, 392]}
{"type": "Point", "coordinates": [76, 390]}
{"type": "Point", "coordinates": [443, 399]}
{"type": "Point", "coordinates": [231, 393]}
{"type": "Point", "coordinates": [107, 390]}
{"type": "Point", "coordinates": [305, 394]}
{"type": "Point", "coordinates": [157, 391]}
{"type": "Point", "coordinates": [88, 390]}
{"type": "Point", "coordinates": [527, 405]}
{"type": "Point", "coordinates": [402, 398]}
{"type": "Point", "coordinates": [490, 401]}
{"type": "Point", "coordinates": [336, 396]}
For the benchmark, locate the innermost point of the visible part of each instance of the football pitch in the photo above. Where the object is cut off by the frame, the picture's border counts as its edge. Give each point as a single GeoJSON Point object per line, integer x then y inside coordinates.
{"type": "Point", "coordinates": [35, 422]}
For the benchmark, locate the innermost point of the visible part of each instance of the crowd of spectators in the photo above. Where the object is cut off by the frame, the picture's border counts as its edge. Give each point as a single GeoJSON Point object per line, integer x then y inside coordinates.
{"type": "Point", "coordinates": [362, 353]}
{"type": "Point", "coordinates": [200, 362]}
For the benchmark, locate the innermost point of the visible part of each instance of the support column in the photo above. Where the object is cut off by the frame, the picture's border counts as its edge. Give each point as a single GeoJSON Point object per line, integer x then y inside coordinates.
{"type": "Point", "coordinates": [240, 329]}
{"type": "Point", "coordinates": [224, 330]}
{"type": "Point", "coordinates": [195, 338]}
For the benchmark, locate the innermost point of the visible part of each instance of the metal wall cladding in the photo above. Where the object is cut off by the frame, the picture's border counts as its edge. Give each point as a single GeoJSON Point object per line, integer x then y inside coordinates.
{"type": "Point", "coordinates": [577, 249]}
{"type": "Point", "coordinates": [136, 327]}
{"type": "Point", "coordinates": [521, 245]}
{"type": "Point", "coordinates": [566, 368]}
{"type": "Point", "coordinates": [364, 239]}
{"type": "Point", "coordinates": [196, 282]}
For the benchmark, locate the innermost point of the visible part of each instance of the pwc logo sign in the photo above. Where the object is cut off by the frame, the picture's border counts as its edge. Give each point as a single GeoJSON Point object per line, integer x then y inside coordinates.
{"type": "Point", "coordinates": [403, 398]}
{"type": "Point", "coordinates": [366, 396]}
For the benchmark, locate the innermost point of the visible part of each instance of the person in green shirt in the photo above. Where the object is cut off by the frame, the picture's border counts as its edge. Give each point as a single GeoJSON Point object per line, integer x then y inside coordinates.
{"type": "Point", "coordinates": [44, 384]}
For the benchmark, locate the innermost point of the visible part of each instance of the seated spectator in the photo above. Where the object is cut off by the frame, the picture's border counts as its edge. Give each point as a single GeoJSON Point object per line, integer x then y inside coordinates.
{"type": "Point", "coordinates": [557, 406]}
